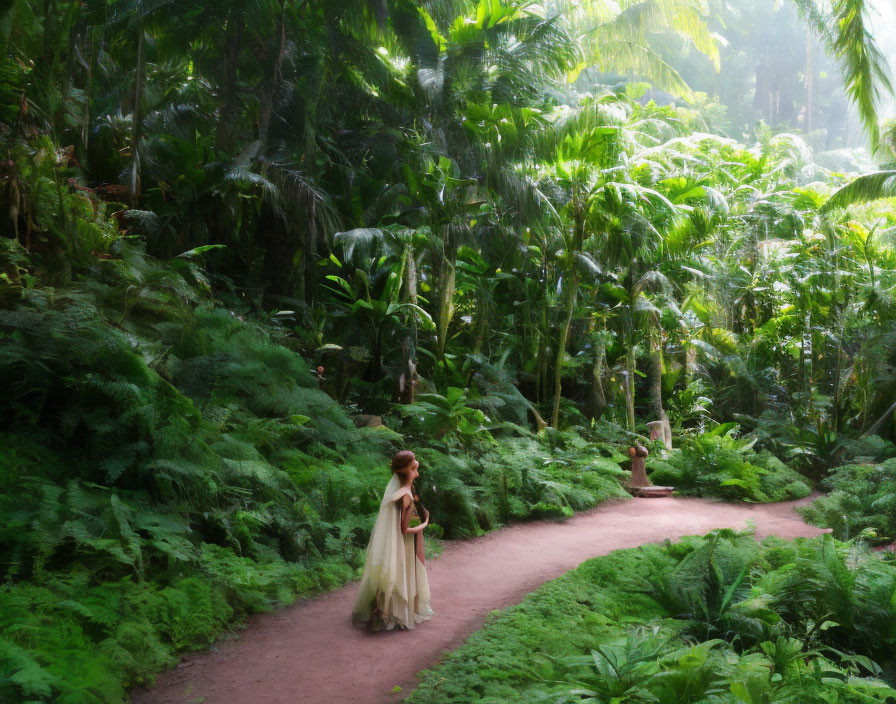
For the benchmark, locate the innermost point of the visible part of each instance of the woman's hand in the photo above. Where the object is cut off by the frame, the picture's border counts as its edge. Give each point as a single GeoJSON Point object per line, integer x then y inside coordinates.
{"type": "Point", "coordinates": [425, 521]}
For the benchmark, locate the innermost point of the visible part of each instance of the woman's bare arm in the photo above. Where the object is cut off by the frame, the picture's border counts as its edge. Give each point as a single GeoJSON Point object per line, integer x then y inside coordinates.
{"type": "Point", "coordinates": [406, 517]}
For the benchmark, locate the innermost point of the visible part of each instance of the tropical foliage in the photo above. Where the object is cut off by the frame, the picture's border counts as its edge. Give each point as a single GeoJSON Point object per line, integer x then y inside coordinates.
{"type": "Point", "coordinates": [861, 500]}
{"type": "Point", "coordinates": [715, 619]}
{"type": "Point", "coordinates": [251, 248]}
{"type": "Point", "coordinates": [718, 463]}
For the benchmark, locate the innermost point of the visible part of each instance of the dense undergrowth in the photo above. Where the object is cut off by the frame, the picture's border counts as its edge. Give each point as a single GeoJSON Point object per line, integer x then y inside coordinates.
{"type": "Point", "coordinates": [861, 495]}
{"type": "Point", "coordinates": [169, 466]}
{"type": "Point", "coordinates": [715, 619]}
{"type": "Point", "coordinates": [719, 464]}
{"type": "Point", "coordinates": [447, 209]}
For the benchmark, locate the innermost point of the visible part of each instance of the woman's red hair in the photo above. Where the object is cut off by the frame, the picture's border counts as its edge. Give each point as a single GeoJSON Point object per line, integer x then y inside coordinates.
{"type": "Point", "coordinates": [402, 460]}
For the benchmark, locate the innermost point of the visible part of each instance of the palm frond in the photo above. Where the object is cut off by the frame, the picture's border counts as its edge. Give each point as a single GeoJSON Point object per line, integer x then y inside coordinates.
{"type": "Point", "coordinates": [874, 186]}
{"type": "Point", "coordinates": [635, 58]}
{"type": "Point", "coordinates": [847, 35]}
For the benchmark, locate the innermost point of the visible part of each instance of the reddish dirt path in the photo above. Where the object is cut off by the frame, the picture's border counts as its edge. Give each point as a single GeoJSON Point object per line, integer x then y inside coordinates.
{"type": "Point", "coordinates": [309, 653]}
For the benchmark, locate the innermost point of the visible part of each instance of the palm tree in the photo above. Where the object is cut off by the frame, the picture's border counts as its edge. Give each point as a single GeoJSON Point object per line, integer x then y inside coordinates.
{"type": "Point", "coordinates": [618, 37]}
{"type": "Point", "coordinates": [843, 26]}
{"type": "Point", "coordinates": [500, 53]}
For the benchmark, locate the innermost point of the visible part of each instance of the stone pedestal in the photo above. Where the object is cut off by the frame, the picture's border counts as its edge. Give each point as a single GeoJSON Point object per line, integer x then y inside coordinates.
{"type": "Point", "coordinates": [639, 479]}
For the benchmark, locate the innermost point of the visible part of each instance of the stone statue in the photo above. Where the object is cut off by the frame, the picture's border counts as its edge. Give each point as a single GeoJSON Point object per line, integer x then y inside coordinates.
{"type": "Point", "coordinates": [661, 430]}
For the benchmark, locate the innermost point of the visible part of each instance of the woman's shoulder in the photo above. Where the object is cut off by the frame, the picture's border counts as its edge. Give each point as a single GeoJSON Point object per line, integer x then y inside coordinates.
{"type": "Point", "coordinates": [401, 493]}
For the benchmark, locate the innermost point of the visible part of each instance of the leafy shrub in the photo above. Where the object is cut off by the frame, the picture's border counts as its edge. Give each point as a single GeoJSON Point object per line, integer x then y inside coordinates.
{"type": "Point", "coordinates": [720, 464]}
{"type": "Point", "coordinates": [530, 478]}
{"type": "Point", "coordinates": [869, 449]}
{"type": "Point", "coordinates": [861, 501]}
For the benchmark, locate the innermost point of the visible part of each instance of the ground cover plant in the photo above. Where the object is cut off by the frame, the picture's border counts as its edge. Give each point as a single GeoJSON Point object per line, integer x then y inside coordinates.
{"type": "Point", "coordinates": [713, 619]}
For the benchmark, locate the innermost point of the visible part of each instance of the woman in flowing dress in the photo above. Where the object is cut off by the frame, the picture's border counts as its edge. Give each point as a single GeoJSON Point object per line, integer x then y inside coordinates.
{"type": "Point", "coordinates": [394, 591]}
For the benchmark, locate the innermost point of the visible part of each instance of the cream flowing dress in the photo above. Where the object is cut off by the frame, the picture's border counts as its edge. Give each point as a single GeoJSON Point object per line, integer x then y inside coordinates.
{"type": "Point", "coordinates": [394, 591]}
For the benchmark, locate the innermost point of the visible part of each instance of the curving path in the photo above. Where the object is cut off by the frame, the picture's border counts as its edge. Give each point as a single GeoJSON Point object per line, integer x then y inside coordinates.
{"type": "Point", "coordinates": [309, 653]}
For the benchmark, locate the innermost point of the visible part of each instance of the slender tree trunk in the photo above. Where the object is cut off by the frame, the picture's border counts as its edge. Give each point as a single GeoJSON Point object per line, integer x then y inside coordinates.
{"type": "Point", "coordinates": [281, 245]}
{"type": "Point", "coordinates": [810, 81]}
{"type": "Point", "coordinates": [45, 66]}
{"type": "Point", "coordinates": [541, 369]}
{"type": "Point", "coordinates": [310, 249]}
{"type": "Point", "coordinates": [228, 117]}
{"type": "Point", "coordinates": [561, 349]}
{"type": "Point", "coordinates": [630, 385]}
{"type": "Point", "coordinates": [597, 398]}
{"type": "Point", "coordinates": [656, 382]}
{"type": "Point", "coordinates": [447, 282]}
{"type": "Point", "coordinates": [838, 371]}
{"type": "Point", "coordinates": [73, 26]}
{"type": "Point", "coordinates": [377, 352]}
{"type": "Point", "coordinates": [137, 132]}
{"type": "Point", "coordinates": [578, 237]}
{"type": "Point", "coordinates": [656, 374]}
{"type": "Point", "coordinates": [408, 382]}
{"type": "Point", "coordinates": [272, 83]}
{"type": "Point", "coordinates": [85, 124]}
{"type": "Point", "coordinates": [481, 323]}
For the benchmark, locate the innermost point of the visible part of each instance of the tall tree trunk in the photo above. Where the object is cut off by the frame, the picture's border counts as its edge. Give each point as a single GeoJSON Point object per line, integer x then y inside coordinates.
{"type": "Point", "coordinates": [408, 381]}
{"type": "Point", "coordinates": [810, 81]}
{"type": "Point", "coordinates": [630, 385]}
{"type": "Point", "coordinates": [561, 349]}
{"type": "Point", "coordinates": [281, 244]}
{"type": "Point", "coordinates": [656, 374]}
{"type": "Point", "coordinates": [578, 237]}
{"type": "Point", "coordinates": [85, 123]}
{"type": "Point", "coordinates": [597, 398]}
{"type": "Point", "coordinates": [838, 371]}
{"type": "Point", "coordinates": [310, 250]}
{"type": "Point", "coordinates": [447, 282]}
{"type": "Point", "coordinates": [137, 132]}
{"type": "Point", "coordinates": [481, 323]}
{"type": "Point", "coordinates": [541, 369]}
{"type": "Point", "coordinates": [73, 25]}
{"type": "Point", "coordinates": [228, 118]}
{"type": "Point", "coordinates": [656, 382]}
{"type": "Point", "coordinates": [271, 84]}
{"type": "Point", "coordinates": [45, 66]}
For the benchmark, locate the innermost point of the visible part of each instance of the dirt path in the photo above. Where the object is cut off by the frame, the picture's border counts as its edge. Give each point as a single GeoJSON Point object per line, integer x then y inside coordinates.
{"type": "Point", "coordinates": [310, 653]}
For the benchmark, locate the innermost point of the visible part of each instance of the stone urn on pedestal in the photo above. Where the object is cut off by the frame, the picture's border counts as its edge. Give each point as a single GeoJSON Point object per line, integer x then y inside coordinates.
{"type": "Point", "coordinates": [639, 479]}
{"type": "Point", "coordinates": [639, 484]}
